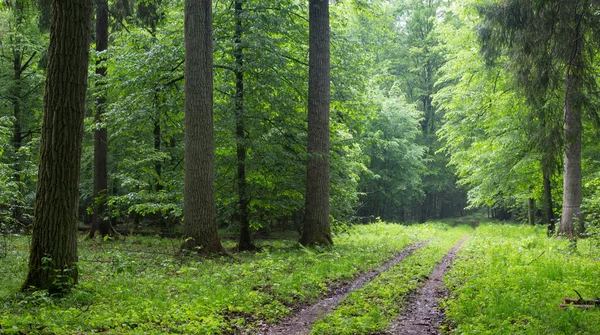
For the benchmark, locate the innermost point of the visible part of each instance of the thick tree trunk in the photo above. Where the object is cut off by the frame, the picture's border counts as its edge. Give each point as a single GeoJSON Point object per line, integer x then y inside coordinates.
{"type": "Point", "coordinates": [200, 227]}
{"type": "Point", "coordinates": [571, 210]}
{"type": "Point", "coordinates": [245, 242]}
{"type": "Point", "coordinates": [53, 256]}
{"type": "Point", "coordinates": [99, 221]}
{"type": "Point", "coordinates": [316, 220]}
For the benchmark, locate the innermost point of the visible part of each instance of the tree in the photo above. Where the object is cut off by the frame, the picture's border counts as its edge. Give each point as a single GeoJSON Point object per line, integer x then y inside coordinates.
{"type": "Point", "coordinates": [99, 220]}
{"type": "Point", "coordinates": [18, 68]}
{"type": "Point", "coordinates": [549, 44]}
{"type": "Point", "coordinates": [245, 242]}
{"type": "Point", "coordinates": [199, 211]}
{"type": "Point", "coordinates": [422, 56]}
{"type": "Point", "coordinates": [21, 97]}
{"type": "Point", "coordinates": [486, 126]}
{"type": "Point", "coordinates": [316, 217]}
{"type": "Point", "coordinates": [53, 256]}
{"type": "Point", "coordinates": [145, 102]}
{"type": "Point", "coordinates": [395, 159]}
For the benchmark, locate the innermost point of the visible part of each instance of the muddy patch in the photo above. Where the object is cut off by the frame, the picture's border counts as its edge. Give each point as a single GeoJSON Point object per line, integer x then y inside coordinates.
{"type": "Point", "coordinates": [302, 321]}
{"type": "Point", "coordinates": [422, 315]}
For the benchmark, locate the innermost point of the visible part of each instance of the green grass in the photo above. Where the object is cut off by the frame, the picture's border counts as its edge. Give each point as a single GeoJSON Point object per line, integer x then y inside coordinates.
{"type": "Point", "coordinates": [510, 280]}
{"type": "Point", "coordinates": [371, 308]}
{"type": "Point", "coordinates": [506, 280]}
{"type": "Point", "coordinates": [137, 286]}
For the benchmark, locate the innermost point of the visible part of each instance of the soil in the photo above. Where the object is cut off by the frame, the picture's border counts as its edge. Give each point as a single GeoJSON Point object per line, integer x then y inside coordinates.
{"type": "Point", "coordinates": [302, 321]}
{"type": "Point", "coordinates": [422, 315]}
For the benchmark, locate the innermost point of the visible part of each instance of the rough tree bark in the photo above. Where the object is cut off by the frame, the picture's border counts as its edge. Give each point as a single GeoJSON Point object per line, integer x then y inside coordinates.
{"type": "Point", "coordinates": [53, 256]}
{"type": "Point", "coordinates": [99, 222]}
{"type": "Point", "coordinates": [316, 219]}
{"type": "Point", "coordinates": [199, 211]}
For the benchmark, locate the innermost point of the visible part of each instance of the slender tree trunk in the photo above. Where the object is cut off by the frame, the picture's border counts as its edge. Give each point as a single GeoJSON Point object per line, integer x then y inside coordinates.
{"type": "Point", "coordinates": [423, 209]}
{"type": "Point", "coordinates": [17, 135]}
{"type": "Point", "coordinates": [53, 256]}
{"type": "Point", "coordinates": [200, 227]}
{"type": "Point", "coordinates": [245, 242]}
{"type": "Point", "coordinates": [99, 221]}
{"type": "Point", "coordinates": [571, 211]}
{"type": "Point", "coordinates": [157, 147]}
{"type": "Point", "coordinates": [316, 220]}
{"type": "Point", "coordinates": [531, 211]}
{"type": "Point", "coordinates": [548, 207]}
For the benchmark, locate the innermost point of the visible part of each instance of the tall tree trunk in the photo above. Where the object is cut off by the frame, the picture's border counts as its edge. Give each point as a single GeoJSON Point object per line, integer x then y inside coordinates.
{"type": "Point", "coordinates": [17, 135]}
{"type": "Point", "coordinates": [199, 211]}
{"type": "Point", "coordinates": [571, 210]}
{"type": "Point", "coordinates": [54, 239]}
{"type": "Point", "coordinates": [245, 242]}
{"type": "Point", "coordinates": [99, 222]}
{"type": "Point", "coordinates": [316, 220]}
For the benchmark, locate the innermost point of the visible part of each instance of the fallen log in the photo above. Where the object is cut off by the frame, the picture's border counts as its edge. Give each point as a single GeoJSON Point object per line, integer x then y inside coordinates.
{"type": "Point", "coordinates": [581, 301]}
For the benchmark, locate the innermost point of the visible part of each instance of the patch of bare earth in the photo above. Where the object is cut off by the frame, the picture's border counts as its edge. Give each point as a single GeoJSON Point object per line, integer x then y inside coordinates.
{"type": "Point", "coordinates": [422, 315]}
{"type": "Point", "coordinates": [302, 321]}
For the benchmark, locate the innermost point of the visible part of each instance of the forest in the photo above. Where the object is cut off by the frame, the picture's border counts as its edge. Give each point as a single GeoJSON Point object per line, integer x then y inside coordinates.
{"type": "Point", "coordinates": [300, 167]}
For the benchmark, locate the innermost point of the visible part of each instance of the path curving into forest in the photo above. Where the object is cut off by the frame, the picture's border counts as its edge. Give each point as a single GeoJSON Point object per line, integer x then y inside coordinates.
{"type": "Point", "coordinates": [422, 315]}
{"type": "Point", "coordinates": [301, 323]}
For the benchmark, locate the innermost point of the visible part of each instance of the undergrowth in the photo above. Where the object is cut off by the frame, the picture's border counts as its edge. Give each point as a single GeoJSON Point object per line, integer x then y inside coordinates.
{"type": "Point", "coordinates": [371, 308]}
{"type": "Point", "coordinates": [138, 286]}
{"type": "Point", "coordinates": [511, 279]}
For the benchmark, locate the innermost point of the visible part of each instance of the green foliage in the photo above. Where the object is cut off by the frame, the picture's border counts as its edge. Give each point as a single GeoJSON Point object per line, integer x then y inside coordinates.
{"type": "Point", "coordinates": [144, 89]}
{"type": "Point", "coordinates": [510, 279]}
{"type": "Point", "coordinates": [392, 180]}
{"type": "Point", "coordinates": [486, 130]}
{"type": "Point", "coordinates": [591, 184]}
{"type": "Point", "coordinates": [21, 93]}
{"type": "Point", "coordinates": [6, 183]}
{"type": "Point", "coordinates": [137, 285]}
{"type": "Point", "coordinates": [144, 118]}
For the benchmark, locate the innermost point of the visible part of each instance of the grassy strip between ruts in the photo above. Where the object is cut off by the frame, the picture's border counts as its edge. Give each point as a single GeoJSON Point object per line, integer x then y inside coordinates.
{"type": "Point", "coordinates": [510, 280]}
{"type": "Point", "coordinates": [136, 286]}
{"type": "Point", "coordinates": [374, 306]}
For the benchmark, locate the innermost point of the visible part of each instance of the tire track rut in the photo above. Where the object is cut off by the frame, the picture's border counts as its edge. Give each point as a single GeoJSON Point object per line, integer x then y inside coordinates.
{"type": "Point", "coordinates": [301, 323]}
{"type": "Point", "coordinates": [422, 315]}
